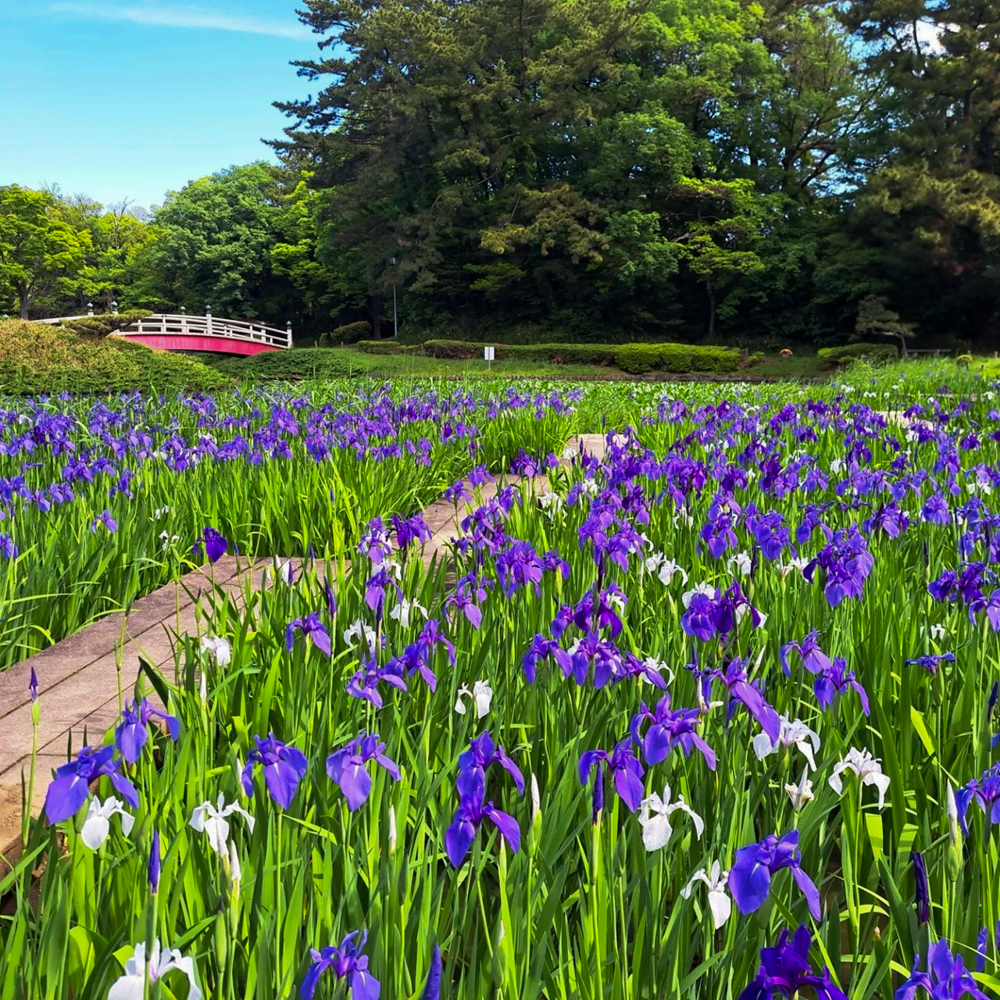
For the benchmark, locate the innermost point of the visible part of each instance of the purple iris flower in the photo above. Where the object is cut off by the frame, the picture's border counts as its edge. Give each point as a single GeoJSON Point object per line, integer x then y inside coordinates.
{"type": "Point", "coordinates": [770, 533]}
{"type": "Point", "coordinates": [888, 519]}
{"type": "Point", "coordinates": [345, 961]}
{"type": "Point", "coordinates": [991, 605]}
{"type": "Point", "coordinates": [7, 547]}
{"type": "Point", "coordinates": [475, 762]}
{"type": "Point", "coordinates": [133, 730]}
{"type": "Point", "coordinates": [983, 943]}
{"type": "Point", "coordinates": [432, 989]}
{"type": "Point", "coordinates": [922, 893]}
{"type": "Point", "coordinates": [707, 617]}
{"type": "Point", "coordinates": [153, 872]}
{"type": "Point", "coordinates": [331, 601]}
{"type": "Point", "coordinates": [813, 658]}
{"type": "Point", "coordinates": [213, 543]}
{"type": "Point", "coordinates": [931, 662]}
{"type": "Point", "coordinates": [312, 628]}
{"type": "Point", "coordinates": [946, 977]}
{"type": "Point", "coordinates": [986, 791]}
{"type": "Point", "coordinates": [834, 681]}
{"type": "Point", "coordinates": [935, 510]}
{"type": "Point", "coordinates": [785, 971]}
{"type": "Point", "coordinates": [468, 818]}
{"type": "Point", "coordinates": [375, 542]}
{"type": "Point", "coordinates": [364, 683]}
{"type": "Point", "coordinates": [410, 530]}
{"type": "Point", "coordinates": [750, 878]}
{"type": "Point", "coordinates": [107, 520]}
{"type": "Point", "coordinates": [33, 685]}
{"type": "Point", "coordinates": [376, 587]}
{"type": "Point", "coordinates": [846, 563]}
{"type": "Point", "coordinates": [625, 769]}
{"type": "Point", "coordinates": [284, 767]}
{"type": "Point", "coordinates": [597, 610]}
{"type": "Point", "coordinates": [668, 729]}
{"type": "Point", "coordinates": [717, 532]}
{"type": "Point", "coordinates": [541, 649]}
{"type": "Point", "coordinates": [518, 566]}
{"type": "Point", "coordinates": [699, 618]}
{"type": "Point", "coordinates": [347, 767]}
{"type": "Point", "coordinates": [70, 786]}
{"type": "Point", "coordinates": [742, 689]}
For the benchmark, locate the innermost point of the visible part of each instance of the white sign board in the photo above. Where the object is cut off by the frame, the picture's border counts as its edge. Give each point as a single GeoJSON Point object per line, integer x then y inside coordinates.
{"type": "Point", "coordinates": [489, 354]}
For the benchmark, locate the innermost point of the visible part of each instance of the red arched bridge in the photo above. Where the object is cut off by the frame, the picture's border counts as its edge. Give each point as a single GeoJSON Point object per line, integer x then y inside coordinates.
{"type": "Point", "coordinates": [202, 333]}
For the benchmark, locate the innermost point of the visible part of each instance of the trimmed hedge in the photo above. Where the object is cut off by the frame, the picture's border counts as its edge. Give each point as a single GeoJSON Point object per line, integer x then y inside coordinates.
{"type": "Point", "coordinates": [38, 358]}
{"type": "Point", "coordinates": [831, 356]}
{"type": "Point", "coordinates": [638, 359]}
{"type": "Point", "coordinates": [388, 347]}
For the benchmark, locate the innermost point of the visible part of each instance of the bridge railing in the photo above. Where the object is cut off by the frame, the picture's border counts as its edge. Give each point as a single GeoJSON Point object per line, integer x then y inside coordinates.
{"type": "Point", "coordinates": [210, 326]}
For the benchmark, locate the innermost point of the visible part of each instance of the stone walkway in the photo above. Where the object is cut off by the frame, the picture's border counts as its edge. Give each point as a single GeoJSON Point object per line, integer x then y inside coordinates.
{"type": "Point", "coordinates": [79, 678]}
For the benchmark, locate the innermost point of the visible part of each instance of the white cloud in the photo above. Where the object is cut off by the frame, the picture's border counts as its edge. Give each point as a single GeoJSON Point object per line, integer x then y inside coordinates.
{"type": "Point", "coordinates": [182, 17]}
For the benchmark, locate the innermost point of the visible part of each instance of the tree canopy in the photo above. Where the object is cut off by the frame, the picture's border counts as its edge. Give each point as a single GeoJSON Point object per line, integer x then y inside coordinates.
{"type": "Point", "coordinates": [742, 170]}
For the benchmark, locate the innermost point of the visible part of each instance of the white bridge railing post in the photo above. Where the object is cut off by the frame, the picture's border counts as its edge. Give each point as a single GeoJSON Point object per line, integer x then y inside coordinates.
{"type": "Point", "coordinates": [288, 334]}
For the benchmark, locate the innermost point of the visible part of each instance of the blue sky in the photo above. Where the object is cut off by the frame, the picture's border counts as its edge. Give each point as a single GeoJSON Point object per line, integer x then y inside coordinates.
{"type": "Point", "coordinates": [133, 98]}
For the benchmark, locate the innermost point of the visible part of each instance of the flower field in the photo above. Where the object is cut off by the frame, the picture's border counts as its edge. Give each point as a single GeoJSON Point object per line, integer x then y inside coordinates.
{"type": "Point", "coordinates": [710, 715]}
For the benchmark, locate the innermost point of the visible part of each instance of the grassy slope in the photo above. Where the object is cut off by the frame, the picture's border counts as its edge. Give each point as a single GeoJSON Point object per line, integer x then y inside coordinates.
{"type": "Point", "coordinates": [37, 358]}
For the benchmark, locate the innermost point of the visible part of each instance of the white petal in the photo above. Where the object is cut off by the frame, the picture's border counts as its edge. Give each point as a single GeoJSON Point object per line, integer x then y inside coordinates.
{"type": "Point", "coordinates": [656, 832]}
{"type": "Point", "coordinates": [807, 751]}
{"type": "Point", "coordinates": [699, 823]}
{"type": "Point", "coordinates": [881, 782]}
{"type": "Point", "coordinates": [128, 988]}
{"type": "Point", "coordinates": [95, 828]}
{"type": "Point", "coordinates": [835, 781]}
{"type": "Point", "coordinates": [762, 746]}
{"type": "Point", "coordinates": [198, 815]}
{"type": "Point", "coordinates": [721, 906]}
{"type": "Point", "coordinates": [698, 876]}
{"type": "Point", "coordinates": [483, 695]}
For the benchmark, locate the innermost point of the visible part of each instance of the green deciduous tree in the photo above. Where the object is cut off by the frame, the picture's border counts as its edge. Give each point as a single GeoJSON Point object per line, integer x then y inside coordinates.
{"type": "Point", "coordinates": [211, 244]}
{"type": "Point", "coordinates": [40, 251]}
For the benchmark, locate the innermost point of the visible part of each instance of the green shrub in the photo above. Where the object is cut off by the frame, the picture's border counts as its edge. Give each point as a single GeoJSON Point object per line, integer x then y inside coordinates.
{"type": "Point", "coordinates": [877, 353]}
{"type": "Point", "coordinates": [36, 358]}
{"type": "Point", "coordinates": [299, 363]}
{"type": "Point", "coordinates": [639, 359]}
{"type": "Point", "coordinates": [105, 323]}
{"type": "Point", "coordinates": [387, 347]}
{"type": "Point", "coordinates": [453, 350]}
{"type": "Point", "coordinates": [349, 333]}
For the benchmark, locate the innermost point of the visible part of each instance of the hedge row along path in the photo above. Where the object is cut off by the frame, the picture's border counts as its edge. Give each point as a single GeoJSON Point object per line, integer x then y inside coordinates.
{"type": "Point", "coordinates": [79, 678]}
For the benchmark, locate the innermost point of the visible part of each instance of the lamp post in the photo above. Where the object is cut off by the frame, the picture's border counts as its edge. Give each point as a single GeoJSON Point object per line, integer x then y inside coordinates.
{"type": "Point", "coordinates": [395, 321]}
{"type": "Point", "coordinates": [114, 308]}
{"type": "Point", "coordinates": [90, 308]}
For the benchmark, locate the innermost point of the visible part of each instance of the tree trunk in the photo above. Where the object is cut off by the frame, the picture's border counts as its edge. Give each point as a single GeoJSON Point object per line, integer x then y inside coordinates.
{"type": "Point", "coordinates": [711, 309]}
{"type": "Point", "coordinates": [375, 309]}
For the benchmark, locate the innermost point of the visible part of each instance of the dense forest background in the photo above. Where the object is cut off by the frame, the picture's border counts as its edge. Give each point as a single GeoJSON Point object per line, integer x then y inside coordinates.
{"type": "Point", "coordinates": [706, 170]}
